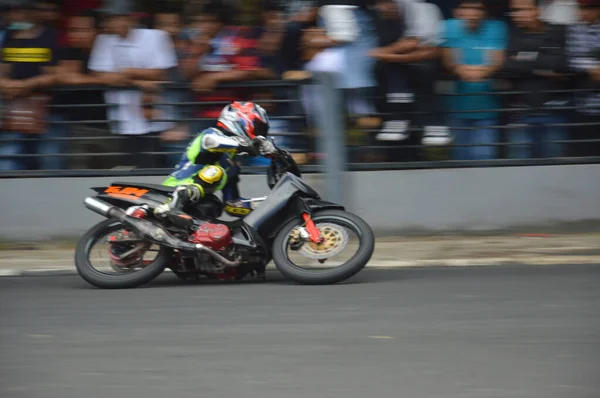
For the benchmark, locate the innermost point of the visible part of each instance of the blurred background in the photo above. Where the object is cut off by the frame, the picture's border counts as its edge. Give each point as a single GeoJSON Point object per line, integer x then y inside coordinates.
{"type": "Point", "coordinates": [127, 84]}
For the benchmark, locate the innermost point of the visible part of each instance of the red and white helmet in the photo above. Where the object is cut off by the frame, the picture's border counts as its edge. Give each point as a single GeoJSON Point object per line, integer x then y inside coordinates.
{"type": "Point", "coordinates": [244, 119]}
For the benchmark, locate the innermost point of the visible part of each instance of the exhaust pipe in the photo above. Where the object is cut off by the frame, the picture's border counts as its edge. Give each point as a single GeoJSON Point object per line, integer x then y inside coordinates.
{"type": "Point", "coordinates": [152, 232]}
{"type": "Point", "coordinates": [97, 206]}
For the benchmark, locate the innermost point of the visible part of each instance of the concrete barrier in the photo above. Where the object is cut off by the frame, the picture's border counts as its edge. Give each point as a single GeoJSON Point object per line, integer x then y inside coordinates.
{"type": "Point", "coordinates": [429, 201]}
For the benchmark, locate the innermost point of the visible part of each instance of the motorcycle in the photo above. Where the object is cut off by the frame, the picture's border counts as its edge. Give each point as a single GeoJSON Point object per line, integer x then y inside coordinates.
{"type": "Point", "coordinates": [291, 220]}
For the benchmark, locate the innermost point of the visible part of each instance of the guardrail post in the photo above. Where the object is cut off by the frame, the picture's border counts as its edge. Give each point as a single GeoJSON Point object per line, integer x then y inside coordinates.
{"type": "Point", "coordinates": [331, 142]}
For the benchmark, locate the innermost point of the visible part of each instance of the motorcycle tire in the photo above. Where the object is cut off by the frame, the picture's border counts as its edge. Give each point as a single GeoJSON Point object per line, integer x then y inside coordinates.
{"type": "Point", "coordinates": [335, 275]}
{"type": "Point", "coordinates": [117, 281]}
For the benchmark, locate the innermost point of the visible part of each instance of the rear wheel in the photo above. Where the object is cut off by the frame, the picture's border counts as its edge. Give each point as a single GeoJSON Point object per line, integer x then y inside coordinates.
{"type": "Point", "coordinates": [118, 263]}
{"type": "Point", "coordinates": [328, 262]}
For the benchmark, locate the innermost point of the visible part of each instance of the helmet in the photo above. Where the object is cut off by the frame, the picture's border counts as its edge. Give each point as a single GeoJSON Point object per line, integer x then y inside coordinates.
{"type": "Point", "coordinates": [244, 119]}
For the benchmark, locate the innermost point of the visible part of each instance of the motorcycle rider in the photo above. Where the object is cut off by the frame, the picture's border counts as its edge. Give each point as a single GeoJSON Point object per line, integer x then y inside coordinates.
{"type": "Point", "coordinates": [208, 165]}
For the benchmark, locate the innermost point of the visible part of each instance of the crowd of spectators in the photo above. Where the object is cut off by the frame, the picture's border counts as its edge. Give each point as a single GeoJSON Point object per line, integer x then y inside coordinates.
{"type": "Point", "coordinates": [130, 89]}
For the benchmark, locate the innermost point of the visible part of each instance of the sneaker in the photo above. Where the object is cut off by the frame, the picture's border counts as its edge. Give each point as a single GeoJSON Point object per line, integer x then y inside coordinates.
{"type": "Point", "coordinates": [437, 136]}
{"type": "Point", "coordinates": [394, 130]}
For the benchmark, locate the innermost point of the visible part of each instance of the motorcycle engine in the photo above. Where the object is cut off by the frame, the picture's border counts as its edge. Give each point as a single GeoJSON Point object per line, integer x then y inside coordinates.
{"type": "Point", "coordinates": [215, 236]}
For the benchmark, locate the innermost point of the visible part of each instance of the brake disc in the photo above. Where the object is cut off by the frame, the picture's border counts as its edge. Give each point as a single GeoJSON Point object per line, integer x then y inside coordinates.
{"type": "Point", "coordinates": [335, 241]}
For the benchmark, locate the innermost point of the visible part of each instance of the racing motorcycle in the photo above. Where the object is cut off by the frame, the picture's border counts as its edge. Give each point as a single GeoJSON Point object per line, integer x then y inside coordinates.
{"type": "Point", "coordinates": [291, 221]}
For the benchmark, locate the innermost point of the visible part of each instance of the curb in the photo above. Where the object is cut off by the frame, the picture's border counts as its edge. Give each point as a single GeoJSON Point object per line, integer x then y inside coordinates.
{"type": "Point", "coordinates": [448, 263]}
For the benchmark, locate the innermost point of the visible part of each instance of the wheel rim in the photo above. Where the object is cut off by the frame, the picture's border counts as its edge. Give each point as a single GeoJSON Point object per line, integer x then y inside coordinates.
{"type": "Point", "coordinates": [336, 239]}
{"type": "Point", "coordinates": [136, 256]}
{"type": "Point", "coordinates": [339, 233]}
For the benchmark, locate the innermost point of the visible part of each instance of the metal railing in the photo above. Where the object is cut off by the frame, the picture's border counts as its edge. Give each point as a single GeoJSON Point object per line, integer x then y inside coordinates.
{"type": "Point", "coordinates": [65, 141]}
{"type": "Point", "coordinates": [332, 126]}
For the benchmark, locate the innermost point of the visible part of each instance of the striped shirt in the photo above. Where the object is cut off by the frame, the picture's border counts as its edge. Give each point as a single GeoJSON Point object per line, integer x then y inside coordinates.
{"type": "Point", "coordinates": [583, 53]}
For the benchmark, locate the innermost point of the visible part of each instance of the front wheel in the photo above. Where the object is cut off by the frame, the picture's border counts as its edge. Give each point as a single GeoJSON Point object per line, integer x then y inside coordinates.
{"type": "Point", "coordinates": [325, 265]}
{"type": "Point", "coordinates": [122, 261]}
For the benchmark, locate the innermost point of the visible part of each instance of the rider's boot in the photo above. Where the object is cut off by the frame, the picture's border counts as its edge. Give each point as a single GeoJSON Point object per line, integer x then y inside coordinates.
{"type": "Point", "coordinates": [172, 211]}
{"type": "Point", "coordinates": [238, 207]}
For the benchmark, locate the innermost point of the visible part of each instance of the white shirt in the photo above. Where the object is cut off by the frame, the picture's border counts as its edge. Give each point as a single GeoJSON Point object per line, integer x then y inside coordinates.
{"type": "Point", "coordinates": [560, 12]}
{"type": "Point", "coordinates": [141, 49]}
{"type": "Point", "coordinates": [423, 21]}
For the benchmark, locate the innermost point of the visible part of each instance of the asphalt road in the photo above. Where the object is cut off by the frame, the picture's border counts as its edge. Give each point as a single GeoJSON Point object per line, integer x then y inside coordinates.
{"type": "Point", "coordinates": [483, 333]}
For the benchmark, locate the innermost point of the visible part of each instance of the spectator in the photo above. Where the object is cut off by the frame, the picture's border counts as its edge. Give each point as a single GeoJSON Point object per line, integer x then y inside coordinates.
{"type": "Point", "coordinates": [344, 33]}
{"type": "Point", "coordinates": [392, 70]}
{"type": "Point", "coordinates": [351, 32]}
{"type": "Point", "coordinates": [270, 35]}
{"type": "Point", "coordinates": [73, 69]}
{"type": "Point", "coordinates": [473, 52]}
{"type": "Point", "coordinates": [28, 59]}
{"type": "Point", "coordinates": [583, 53]}
{"type": "Point", "coordinates": [301, 15]}
{"type": "Point", "coordinates": [535, 64]}
{"type": "Point", "coordinates": [229, 56]}
{"type": "Point", "coordinates": [140, 57]}
{"type": "Point", "coordinates": [415, 52]}
{"type": "Point", "coordinates": [48, 15]}
{"type": "Point", "coordinates": [169, 20]}
{"type": "Point", "coordinates": [427, 25]}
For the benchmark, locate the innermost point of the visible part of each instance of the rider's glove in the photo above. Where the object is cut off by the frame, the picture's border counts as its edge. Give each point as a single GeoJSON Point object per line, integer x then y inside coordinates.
{"type": "Point", "coordinates": [264, 146]}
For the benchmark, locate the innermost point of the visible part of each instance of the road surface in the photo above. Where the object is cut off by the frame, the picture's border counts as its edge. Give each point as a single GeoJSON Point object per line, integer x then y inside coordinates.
{"type": "Point", "coordinates": [502, 332]}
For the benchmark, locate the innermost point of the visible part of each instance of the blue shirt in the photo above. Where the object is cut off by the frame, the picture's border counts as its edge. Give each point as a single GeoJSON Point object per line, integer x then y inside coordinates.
{"type": "Point", "coordinates": [474, 48]}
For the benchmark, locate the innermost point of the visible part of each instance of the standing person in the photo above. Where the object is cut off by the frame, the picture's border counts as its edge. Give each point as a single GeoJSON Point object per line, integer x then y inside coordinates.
{"type": "Point", "coordinates": [27, 68]}
{"type": "Point", "coordinates": [230, 56]}
{"type": "Point", "coordinates": [48, 15]}
{"type": "Point", "coordinates": [73, 70]}
{"type": "Point", "coordinates": [350, 24]}
{"type": "Point", "coordinates": [133, 56]}
{"type": "Point", "coordinates": [271, 35]}
{"type": "Point", "coordinates": [300, 15]}
{"type": "Point", "coordinates": [169, 20]}
{"type": "Point", "coordinates": [413, 54]}
{"type": "Point", "coordinates": [583, 53]}
{"type": "Point", "coordinates": [473, 52]}
{"type": "Point", "coordinates": [535, 64]}
{"type": "Point", "coordinates": [393, 74]}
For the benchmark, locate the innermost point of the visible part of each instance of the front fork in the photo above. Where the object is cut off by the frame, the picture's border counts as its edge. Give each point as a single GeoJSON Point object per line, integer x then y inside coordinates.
{"type": "Point", "coordinates": [313, 232]}
{"type": "Point", "coordinates": [309, 232]}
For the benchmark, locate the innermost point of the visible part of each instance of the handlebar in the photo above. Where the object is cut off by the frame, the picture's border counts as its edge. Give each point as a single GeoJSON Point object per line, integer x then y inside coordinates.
{"type": "Point", "coordinates": [281, 162]}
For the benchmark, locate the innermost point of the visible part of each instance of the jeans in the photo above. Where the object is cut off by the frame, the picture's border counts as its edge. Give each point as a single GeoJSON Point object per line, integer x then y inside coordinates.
{"type": "Point", "coordinates": [475, 132]}
{"type": "Point", "coordinates": [54, 146]}
{"type": "Point", "coordinates": [34, 144]}
{"type": "Point", "coordinates": [538, 136]}
{"type": "Point", "coordinates": [15, 147]}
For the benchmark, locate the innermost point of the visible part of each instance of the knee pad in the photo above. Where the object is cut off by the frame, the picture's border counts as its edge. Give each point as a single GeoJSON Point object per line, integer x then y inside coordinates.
{"type": "Point", "coordinates": [211, 174]}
